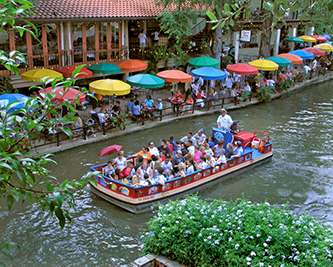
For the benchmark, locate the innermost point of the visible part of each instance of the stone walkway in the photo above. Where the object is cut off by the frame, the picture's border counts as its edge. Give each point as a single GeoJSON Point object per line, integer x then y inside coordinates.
{"type": "Point", "coordinates": [150, 124]}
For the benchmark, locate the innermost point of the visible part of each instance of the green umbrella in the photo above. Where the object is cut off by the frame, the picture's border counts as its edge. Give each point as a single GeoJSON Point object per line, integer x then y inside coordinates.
{"type": "Point", "coordinates": [104, 68]}
{"type": "Point", "coordinates": [281, 61]}
{"type": "Point", "coordinates": [199, 62]}
{"type": "Point", "coordinates": [294, 39]}
{"type": "Point", "coordinates": [145, 81]}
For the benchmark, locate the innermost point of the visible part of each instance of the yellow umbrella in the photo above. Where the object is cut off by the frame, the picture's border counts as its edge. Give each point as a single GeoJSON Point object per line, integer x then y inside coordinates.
{"type": "Point", "coordinates": [263, 64]}
{"type": "Point", "coordinates": [37, 74]}
{"type": "Point", "coordinates": [325, 47]}
{"type": "Point", "coordinates": [110, 87]}
{"type": "Point", "coordinates": [308, 38]}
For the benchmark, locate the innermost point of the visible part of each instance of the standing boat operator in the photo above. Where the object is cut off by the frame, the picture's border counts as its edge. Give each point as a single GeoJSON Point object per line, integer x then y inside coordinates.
{"type": "Point", "coordinates": [224, 121]}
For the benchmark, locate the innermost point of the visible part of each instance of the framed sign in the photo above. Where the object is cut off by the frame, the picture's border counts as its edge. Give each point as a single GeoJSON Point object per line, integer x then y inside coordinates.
{"type": "Point", "coordinates": [245, 36]}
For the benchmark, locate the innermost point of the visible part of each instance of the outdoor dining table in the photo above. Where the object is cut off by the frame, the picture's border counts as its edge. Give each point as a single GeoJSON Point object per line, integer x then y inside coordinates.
{"type": "Point", "coordinates": [175, 104]}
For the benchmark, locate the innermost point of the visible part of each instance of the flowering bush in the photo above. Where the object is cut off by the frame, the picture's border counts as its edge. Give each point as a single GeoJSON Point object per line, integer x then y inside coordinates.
{"type": "Point", "coordinates": [300, 77]}
{"type": "Point", "coordinates": [284, 85]}
{"type": "Point", "coordinates": [120, 121]}
{"type": "Point", "coordinates": [237, 233]}
{"type": "Point", "coordinates": [264, 94]}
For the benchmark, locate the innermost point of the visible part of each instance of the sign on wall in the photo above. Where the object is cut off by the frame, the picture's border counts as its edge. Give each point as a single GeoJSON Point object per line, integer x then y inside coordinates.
{"type": "Point", "coordinates": [245, 36]}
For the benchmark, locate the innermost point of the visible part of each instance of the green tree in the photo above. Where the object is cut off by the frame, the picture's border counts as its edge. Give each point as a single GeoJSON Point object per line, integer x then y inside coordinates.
{"type": "Point", "coordinates": [25, 175]}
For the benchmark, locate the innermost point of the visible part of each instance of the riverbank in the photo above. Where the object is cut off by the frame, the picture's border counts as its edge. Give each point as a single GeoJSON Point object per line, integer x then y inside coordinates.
{"type": "Point", "coordinates": [65, 145]}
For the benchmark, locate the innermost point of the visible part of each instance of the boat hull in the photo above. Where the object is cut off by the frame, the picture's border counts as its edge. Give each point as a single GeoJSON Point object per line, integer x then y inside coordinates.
{"type": "Point", "coordinates": [144, 204]}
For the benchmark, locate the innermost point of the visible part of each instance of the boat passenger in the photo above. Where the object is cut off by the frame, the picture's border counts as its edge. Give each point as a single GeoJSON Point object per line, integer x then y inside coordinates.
{"type": "Point", "coordinates": [162, 156]}
{"type": "Point", "coordinates": [177, 148]}
{"type": "Point", "coordinates": [211, 142]}
{"type": "Point", "coordinates": [160, 178]}
{"type": "Point", "coordinates": [189, 156]}
{"type": "Point", "coordinates": [152, 161]}
{"type": "Point", "coordinates": [167, 166]}
{"type": "Point", "coordinates": [230, 152]}
{"type": "Point", "coordinates": [184, 150]}
{"type": "Point", "coordinates": [177, 160]}
{"type": "Point", "coordinates": [153, 149]}
{"type": "Point", "coordinates": [191, 166]}
{"type": "Point", "coordinates": [144, 169]}
{"type": "Point", "coordinates": [217, 149]}
{"type": "Point", "coordinates": [222, 158]}
{"type": "Point", "coordinates": [144, 153]}
{"type": "Point", "coordinates": [189, 137]}
{"type": "Point", "coordinates": [120, 162]}
{"type": "Point", "coordinates": [238, 150]}
{"type": "Point", "coordinates": [155, 169]}
{"type": "Point", "coordinates": [190, 146]}
{"type": "Point", "coordinates": [197, 154]}
{"type": "Point", "coordinates": [133, 170]}
{"type": "Point", "coordinates": [202, 164]}
{"type": "Point", "coordinates": [224, 121]}
{"type": "Point", "coordinates": [144, 181]}
{"type": "Point", "coordinates": [208, 150]}
{"type": "Point", "coordinates": [173, 142]}
{"type": "Point", "coordinates": [210, 160]}
{"type": "Point", "coordinates": [168, 142]}
{"type": "Point", "coordinates": [140, 160]}
{"type": "Point", "coordinates": [164, 147]}
{"type": "Point", "coordinates": [182, 169]}
{"type": "Point", "coordinates": [202, 150]}
{"type": "Point", "coordinates": [200, 137]}
{"type": "Point", "coordinates": [109, 171]}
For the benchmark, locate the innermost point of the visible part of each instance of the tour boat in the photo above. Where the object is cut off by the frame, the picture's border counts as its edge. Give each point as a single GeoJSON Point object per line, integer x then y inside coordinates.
{"type": "Point", "coordinates": [141, 199]}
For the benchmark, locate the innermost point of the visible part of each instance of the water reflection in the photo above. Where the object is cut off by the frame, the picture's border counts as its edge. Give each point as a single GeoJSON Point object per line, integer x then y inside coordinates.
{"type": "Point", "coordinates": [101, 234]}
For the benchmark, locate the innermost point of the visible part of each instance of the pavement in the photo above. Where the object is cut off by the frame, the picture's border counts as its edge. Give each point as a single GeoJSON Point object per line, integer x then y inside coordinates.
{"type": "Point", "coordinates": [133, 127]}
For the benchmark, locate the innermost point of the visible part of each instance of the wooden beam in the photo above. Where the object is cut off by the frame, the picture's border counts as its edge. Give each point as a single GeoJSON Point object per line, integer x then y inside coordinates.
{"type": "Point", "coordinates": [29, 51]}
{"type": "Point", "coordinates": [108, 40]}
{"type": "Point", "coordinates": [84, 42]}
{"type": "Point", "coordinates": [45, 48]}
{"type": "Point", "coordinates": [96, 41]}
{"type": "Point", "coordinates": [11, 40]}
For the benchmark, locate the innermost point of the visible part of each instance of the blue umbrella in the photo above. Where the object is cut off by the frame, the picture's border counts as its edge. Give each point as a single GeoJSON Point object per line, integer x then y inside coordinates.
{"type": "Point", "coordinates": [303, 54]}
{"type": "Point", "coordinates": [327, 36]}
{"type": "Point", "coordinates": [209, 73]}
{"type": "Point", "coordinates": [7, 99]}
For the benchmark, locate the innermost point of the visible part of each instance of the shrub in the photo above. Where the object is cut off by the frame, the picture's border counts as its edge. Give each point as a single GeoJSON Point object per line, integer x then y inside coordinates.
{"type": "Point", "coordinates": [237, 233]}
{"type": "Point", "coordinates": [300, 77]}
{"type": "Point", "coordinates": [264, 94]}
{"type": "Point", "coordinates": [245, 95]}
{"type": "Point", "coordinates": [120, 121]}
{"type": "Point", "coordinates": [6, 86]}
{"type": "Point", "coordinates": [284, 86]}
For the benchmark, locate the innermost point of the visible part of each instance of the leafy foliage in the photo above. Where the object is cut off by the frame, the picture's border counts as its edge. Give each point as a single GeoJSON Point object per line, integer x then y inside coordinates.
{"type": "Point", "coordinates": [264, 94]}
{"type": "Point", "coordinates": [284, 85]}
{"type": "Point", "coordinates": [237, 233]}
{"type": "Point", "coordinates": [6, 86]}
{"type": "Point", "coordinates": [120, 121]}
{"type": "Point", "coordinates": [245, 95]}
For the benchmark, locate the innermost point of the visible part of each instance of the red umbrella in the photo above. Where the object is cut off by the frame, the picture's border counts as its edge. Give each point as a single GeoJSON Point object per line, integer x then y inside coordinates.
{"type": "Point", "coordinates": [69, 94]}
{"type": "Point", "coordinates": [68, 71]}
{"type": "Point", "coordinates": [174, 76]}
{"type": "Point", "coordinates": [319, 38]}
{"type": "Point", "coordinates": [242, 69]}
{"type": "Point", "coordinates": [109, 150]}
{"type": "Point", "coordinates": [315, 51]}
{"type": "Point", "coordinates": [130, 65]}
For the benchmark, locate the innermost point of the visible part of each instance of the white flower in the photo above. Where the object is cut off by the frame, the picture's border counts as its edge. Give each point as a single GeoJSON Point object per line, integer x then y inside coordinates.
{"type": "Point", "coordinates": [258, 235]}
{"type": "Point", "coordinates": [248, 259]}
{"type": "Point", "coordinates": [265, 245]}
{"type": "Point", "coordinates": [271, 257]}
{"type": "Point", "coordinates": [261, 264]}
{"type": "Point", "coordinates": [267, 204]}
{"type": "Point", "coordinates": [177, 221]}
{"type": "Point", "coordinates": [253, 253]}
{"type": "Point", "coordinates": [217, 242]}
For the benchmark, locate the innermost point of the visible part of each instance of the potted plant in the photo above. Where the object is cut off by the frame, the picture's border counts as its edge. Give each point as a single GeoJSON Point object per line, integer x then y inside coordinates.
{"type": "Point", "coordinates": [120, 121]}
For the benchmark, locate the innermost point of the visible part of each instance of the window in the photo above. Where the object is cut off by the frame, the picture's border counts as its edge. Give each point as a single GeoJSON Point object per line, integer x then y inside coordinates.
{"type": "Point", "coordinates": [52, 42]}
{"type": "Point", "coordinates": [103, 44]}
{"type": "Point", "coordinates": [77, 42]}
{"type": "Point", "coordinates": [91, 46]}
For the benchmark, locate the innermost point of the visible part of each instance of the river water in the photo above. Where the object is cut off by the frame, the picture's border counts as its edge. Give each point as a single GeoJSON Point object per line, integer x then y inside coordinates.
{"type": "Point", "coordinates": [300, 173]}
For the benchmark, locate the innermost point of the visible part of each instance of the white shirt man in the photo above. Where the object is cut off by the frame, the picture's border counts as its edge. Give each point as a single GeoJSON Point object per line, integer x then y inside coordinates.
{"type": "Point", "coordinates": [224, 121]}
{"type": "Point", "coordinates": [142, 37]}
{"type": "Point", "coordinates": [200, 137]}
{"type": "Point", "coordinates": [307, 69]}
{"type": "Point", "coordinates": [153, 149]}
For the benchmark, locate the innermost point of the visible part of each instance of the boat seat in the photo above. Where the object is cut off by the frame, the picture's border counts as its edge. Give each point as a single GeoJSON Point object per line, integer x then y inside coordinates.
{"type": "Point", "coordinates": [245, 137]}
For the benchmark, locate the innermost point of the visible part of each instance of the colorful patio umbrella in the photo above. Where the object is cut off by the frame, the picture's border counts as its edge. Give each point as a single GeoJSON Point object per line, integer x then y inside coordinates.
{"type": "Point", "coordinates": [209, 73]}
{"type": "Point", "coordinates": [319, 38]}
{"type": "Point", "coordinates": [242, 69]}
{"type": "Point", "coordinates": [293, 58]}
{"type": "Point", "coordinates": [37, 74]}
{"type": "Point", "coordinates": [7, 99]}
{"type": "Point", "coordinates": [316, 51]}
{"type": "Point", "coordinates": [327, 36]}
{"type": "Point", "coordinates": [145, 81]}
{"type": "Point", "coordinates": [329, 43]}
{"type": "Point", "coordinates": [62, 94]}
{"type": "Point", "coordinates": [174, 76]}
{"type": "Point", "coordinates": [131, 65]}
{"type": "Point", "coordinates": [281, 61]}
{"type": "Point", "coordinates": [303, 54]}
{"type": "Point", "coordinates": [265, 65]}
{"type": "Point", "coordinates": [199, 62]}
{"type": "Point", "coordinates": [104, 68]}
{"type": "Point", "coordinates": [308, 39]}
{"type": "Point", "coordinates": [68, 71]}
{"type": "Point", "coordinates": [325, 47]}
{"type": "Point", "coordinates": [109, 150]}
{"type": "Point", "coordinates": [294, 39]}
{"type": "Point", "coordinates": [110, 87]}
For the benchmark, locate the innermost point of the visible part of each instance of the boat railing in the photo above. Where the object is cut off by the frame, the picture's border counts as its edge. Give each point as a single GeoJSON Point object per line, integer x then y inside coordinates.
{"type": "Point", "coordinates": [172, 184]}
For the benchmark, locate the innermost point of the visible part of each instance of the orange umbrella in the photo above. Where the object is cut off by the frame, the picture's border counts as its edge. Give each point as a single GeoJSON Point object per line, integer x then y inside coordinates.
{"type": "Point", "coordinates": [68, 71]}
{"type": "Point", "coordinates": [174, 76]}
{"type": "Point", "coordinates": [130, 65]}
{"type": "Point", "coordinates": [293, 58]}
